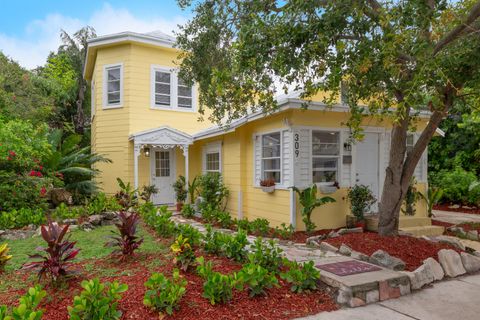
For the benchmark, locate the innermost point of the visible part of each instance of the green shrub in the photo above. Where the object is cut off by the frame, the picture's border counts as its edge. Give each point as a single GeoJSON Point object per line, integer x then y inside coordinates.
{"type": "Point", "coordinates": [63, 212]}
{"type": "Point", "coordinates": [266, 255]}
{"type": "Point", "coordinates": [244, 224]}
{"type": "Point", "coordinates": [214, 241]}
{"type": "Point", "coordinates": [301, 277]}
{"type": "Point", "coordinates": [97, 301]}
{"type": "Point", "coordinates": [204, 268]}
{"type": "Point", "coordinates": [256, 279]}
{"type": "Point", "coordinates": [188, 211]}
{"type": "Point", "coordinates": [148, 211]}
{"type": "Point", "coordinates": [27, 308]}
{"type": "Point", "coordinates": [456, 186]}
{"type": "Point", "coordinates": [183, 251]}
{"type": "Point", "coordinates": [21, 218]}
{"type": "Point", "coordinates": [209, 213]}
{"type": "Point", "coordinates": [218, 288]}
{"type": "Point", "coordinates": [260, 227]}
{"type": "Point", "coordinates": [187, 231]}
{"type": "Point", "coordinates": [235, 246]}
{"type": "Point", "coordinates": [180, 188]}
{"type": "Point", "coordinates": [361, 199]}
{"type": "Point", "coordinates": [284, 232]}
{"type": "Point", "coordinates": [164, 294]}
{"type": "Point", "coordinates": [162, 223]}
{"type": "Point", "coordinates": [224, 219]}
{"type": "Point", "coordinates": [212, 190]}
{"type": "Point", "coordinates": [101, 203]}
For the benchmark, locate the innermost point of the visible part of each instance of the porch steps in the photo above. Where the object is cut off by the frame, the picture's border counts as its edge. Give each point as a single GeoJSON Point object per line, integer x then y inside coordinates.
{"type": "Point", "coordinates": [429, 231]}
{"type": "Point", "coordinates": [416, 226]}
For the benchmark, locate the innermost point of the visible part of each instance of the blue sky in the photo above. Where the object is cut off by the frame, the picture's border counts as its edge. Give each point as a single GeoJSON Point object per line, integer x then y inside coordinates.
{"type": "Point", "coordinates": [29, 29]}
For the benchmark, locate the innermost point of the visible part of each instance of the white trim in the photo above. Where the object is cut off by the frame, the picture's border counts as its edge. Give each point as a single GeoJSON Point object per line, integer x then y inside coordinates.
{"type": "Point", "coordinates": [92, 99]}
{"type": "Point", "coordinates": [131, 36]}
{"type": "Point", "coordinates": [212, 147]}
{"type": "Point", "coordinates": [293, 208]}
{"type": "Point", "coordinates": [173, 168]}
{"type": "Point", "coordinates": [339, 157]}
{"type": "Point", "coordinates": [106, 105]}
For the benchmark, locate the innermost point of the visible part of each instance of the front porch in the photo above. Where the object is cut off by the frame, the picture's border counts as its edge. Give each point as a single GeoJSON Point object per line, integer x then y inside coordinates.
{"type": "Point", "coordinates": [160, 149]}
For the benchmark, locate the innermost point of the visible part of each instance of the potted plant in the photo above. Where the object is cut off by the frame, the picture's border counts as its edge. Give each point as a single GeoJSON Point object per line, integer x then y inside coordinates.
{"type": "Point", "coordinates": [267, 185]}
{"type": "Point", "coordinates": [180, 191]}
{"type": "Point", "coordinates": [361, 200]}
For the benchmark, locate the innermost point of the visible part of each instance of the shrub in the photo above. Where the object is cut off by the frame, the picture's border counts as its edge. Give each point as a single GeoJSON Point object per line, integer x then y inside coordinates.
{"type": "Point", "coordinates": [361, 199]}
{"type": "Point", "coordinates": [187, 231]}
{"type": "Point", "coordinates": [4, 256]}
{"type": "Point", "coordinates": [97, 301]}
{"type": "Point", "coordinates": [224, 219]}
{"type": "Point", "coordinates": [204, 268]}
{"type": "Point", "coordinates": [266, 255]}
{"type": "Point", "coordinates": [218, 288]}
{"type": "Point", "coordinates": [235, 246]}
{"type": "Point", "coordinates": [209, 213]}
{"type": "Point", "coordinates": [260, 226]}
{"type": "Point", "coordinates": [432, 197]}
{"type": "Point", "coordinates": [126, 197]}
{"type": "Point", "coordinates": [188, 211]}
{"type": "Point", "coordinates": [284, 232]}
{"type": "Point", "coordinates": [148, 211]}
{"type": "Point", "coordinates": [164, 294]}
{"type": "Point", "coordinates": [20, 218]}
{"type": "Point", "coordinates": [244, 224]}
{"type": "Point", "coordinates": [212, 190]}
{"type": "Point", "coordinates": [456, 186]}
{"type": "Point", "coordinates": [27, 308]}
{"type": "Point", "coordinates": [309, 201]}
{"type": "Point", "coordinates": [56, 259]}
{"type": "Point", "coordinates": [256, 278]}
{"type": "Point", "coordinates": [180, 189]}
{"type": "Point", "coordinates": [411, 198]}
{"type": "Point", "coordinates": [64, 212]}
{"type": "Point", "coordinates": [126, 239]}
{"type": "Point", "coordinates": [193, 189]}
{"type": "Point", "coordinates": [148, 192]}
{"type": "Point", "coordinates": [184, 254]}
{"type": "Point", "coordinates": [214, 240]}
{"type": "Point", "coordinates": [301, 277]}
{"type": "Point", "coordinates": [101, 203]}
{"type": "Point", "coordinates": [160, 221]}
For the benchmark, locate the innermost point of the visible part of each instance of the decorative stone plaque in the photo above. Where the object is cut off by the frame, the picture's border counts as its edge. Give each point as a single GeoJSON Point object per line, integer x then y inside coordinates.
{"type": "Point", "coordinates": [346, 268]}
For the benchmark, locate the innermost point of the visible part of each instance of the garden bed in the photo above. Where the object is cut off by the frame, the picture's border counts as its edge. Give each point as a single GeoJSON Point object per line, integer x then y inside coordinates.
{"type": "Point", "coordinates": [411, 250]}
{"type": "Point", "coordinates": [461, 209]}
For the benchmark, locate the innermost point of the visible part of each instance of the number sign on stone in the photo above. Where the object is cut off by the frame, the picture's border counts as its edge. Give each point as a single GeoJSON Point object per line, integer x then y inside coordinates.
{"type": "Point", "coordinates": [346, 268]}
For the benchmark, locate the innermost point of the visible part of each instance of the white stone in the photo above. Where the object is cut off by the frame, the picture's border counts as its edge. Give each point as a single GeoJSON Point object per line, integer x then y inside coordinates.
{"type": "Point", "coordinates": [476, 253]}
{"type": "Point", "coordinates": [350, 230]}
{"type": "Point", "coordinates": [345, 250]}
{"type": "Point", "coordinates": [325, 246]}
{"type": "Point", "coordinates": [470, 262]}
{"type": "Point", "coordinates": [372, 296]}
{"type": "Point", "coordinates": [436, 268]}
{"type": "Point", "coordinates": [422, 276]}
{"type": "Point", "coordinates": [359, 256]}
{"type": "Point", "coordinates": [472, 235]}
{"type": "Point", "coordinates": [451, 241]}
{"type": "Point", "coordinates": [451, 263]}
{"type": "Point", "coordinates": [383, 259]}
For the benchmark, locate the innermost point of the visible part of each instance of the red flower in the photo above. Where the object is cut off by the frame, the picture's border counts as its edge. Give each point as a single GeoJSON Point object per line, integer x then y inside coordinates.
{"type": "Point", "coordinates": [32, 173]}
{"type": "Point", "coordinates": [9, 159]}
{"type": "Point", "coordinates": [43, 191]}
{"type": "Point", "coordinates": [40, 167]}
{"type": "Point", "coordinates": [12, 153]}
{"type": "Point", "coordinates": [39, 174]}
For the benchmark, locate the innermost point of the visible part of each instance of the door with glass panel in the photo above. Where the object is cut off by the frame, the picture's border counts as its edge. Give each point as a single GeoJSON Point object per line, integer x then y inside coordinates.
{"type": "Point", "coordinates": [163, 175]}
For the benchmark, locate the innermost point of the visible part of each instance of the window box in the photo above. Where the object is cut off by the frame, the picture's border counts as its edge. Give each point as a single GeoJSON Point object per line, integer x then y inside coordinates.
{"type": "Point", "coordinates": [270, 189]}
{"type": "Point", "coordinates": [327, 189]}
{"type": "Point", "coordinates": [268, 185]}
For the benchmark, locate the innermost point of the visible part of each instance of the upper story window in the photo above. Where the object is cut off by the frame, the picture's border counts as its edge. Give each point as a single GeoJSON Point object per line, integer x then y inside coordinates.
{"type": "Point", "coordinates": [271, 157]}
{"type": "Point", "coordinates": [169, 91]}
{"type": "Point", "coordinates": [325, 156]}
{"type": "Point", "coordinates": [113, 86]}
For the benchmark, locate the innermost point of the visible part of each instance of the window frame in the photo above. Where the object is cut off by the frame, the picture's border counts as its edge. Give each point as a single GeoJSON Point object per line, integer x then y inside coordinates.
{"type": "Point", "coordinates": [338, 156]}
{"type": "Point", "coordinates": [211, 148]}
{"type": "Point", "coordinates": [173, 90]}
{"type": "Point", "coordinates": [280, 170]}
{"type": "Point", "coordinates": [106, 68]}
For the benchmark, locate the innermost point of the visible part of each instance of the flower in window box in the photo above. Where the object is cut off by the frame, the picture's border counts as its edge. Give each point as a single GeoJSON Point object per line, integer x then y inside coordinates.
{"type": "Point", "coordinates": [268, 185]}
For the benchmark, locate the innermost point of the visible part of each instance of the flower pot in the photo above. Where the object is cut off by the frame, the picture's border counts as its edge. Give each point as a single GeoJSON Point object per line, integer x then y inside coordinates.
{"type": "Point", "coordinates": [268, 189]}
{"type": "Point", "coordinates": [179, 206]}
{"type": "Point", "coordinates": [360, 224]}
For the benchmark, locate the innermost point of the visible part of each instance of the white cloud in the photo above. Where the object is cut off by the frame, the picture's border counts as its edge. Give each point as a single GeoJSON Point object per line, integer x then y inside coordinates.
{"type": "Point", "coordinates": [42, 36]}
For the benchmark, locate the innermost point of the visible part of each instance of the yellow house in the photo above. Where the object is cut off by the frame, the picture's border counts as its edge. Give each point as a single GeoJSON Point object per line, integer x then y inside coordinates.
{"type": "Point", "coordinates": [145, 119]}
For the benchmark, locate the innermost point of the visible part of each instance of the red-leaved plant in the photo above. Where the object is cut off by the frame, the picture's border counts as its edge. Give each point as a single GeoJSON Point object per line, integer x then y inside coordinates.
{"type": "Point", "coordinates": [267, 182]}
{"type": "Point", "coordinates": [55, 260]}
{"type": "Point", "coordinates": [126, 239]}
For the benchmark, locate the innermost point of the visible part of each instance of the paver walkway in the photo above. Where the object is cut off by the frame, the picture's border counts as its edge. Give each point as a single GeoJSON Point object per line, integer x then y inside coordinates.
{"type": "Point", "coordinates": [455, 217]}
{"type": "Point", "coordinates": [458, 298]}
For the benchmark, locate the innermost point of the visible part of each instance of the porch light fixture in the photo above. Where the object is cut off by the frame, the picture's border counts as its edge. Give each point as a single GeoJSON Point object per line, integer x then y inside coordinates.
{"type": "Point", "coordinates": [347, 146]}
{"type": "Point", "coordinates": [146, 151]}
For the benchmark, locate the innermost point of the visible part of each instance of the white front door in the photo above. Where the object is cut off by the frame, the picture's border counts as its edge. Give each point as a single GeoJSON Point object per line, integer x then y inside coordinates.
{"type": "Point", "coordinates": [368, 164]}
{"type": "Point", "coordinates": [163, 175]}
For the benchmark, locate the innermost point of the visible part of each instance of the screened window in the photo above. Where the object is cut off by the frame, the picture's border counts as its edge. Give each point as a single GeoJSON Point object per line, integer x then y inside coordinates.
{"type": "Point", "coordinates": [184, 95]}
{"type": "Point", "coordinates": [271, 153]}
{"type": "Point", "coordinates": [213, 162]}
{"type": "Point", "coordinates": [162, 163]}
{"type": "Point", "coordinates": [325, 156]}
{"type": "Point", "coordinates": [113, 85]}
{"type": "Point", "coordinates": [163, 88]}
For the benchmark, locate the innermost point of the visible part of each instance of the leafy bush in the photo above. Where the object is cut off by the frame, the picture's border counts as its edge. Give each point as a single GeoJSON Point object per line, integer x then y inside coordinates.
{"type": "Point", "coordinates": [224, 219]}
{"type": "Point", "coordinates": [309, 201]}
{"type": "Point", "coordinates": [180, 189]}
{"type": "Point", "coordinates": [209, 213]}
{"type": "Point", "coordinates": [183, 251]}
{"type": "Point", "coordinates": [160, 221]}
{"type": "Point", "coordinates": [214, 240]}
{"type": "Point", "coordinates": [101, 203]}
{"type": "Point", "coordinates": [187, 231]}
{"type": "Point", "coordinates": [97, 301]}
{"type": "Point", "coordinates": [4, 256]}
{"type": "Point", "coordinates": [244, 224]}
{"type": "Point", "coordinates": [212, 190]}
{"type": "Point", "coordinates": [266, 255]}
{"type": "Point", "coordinates": [188, 211]}
{"type": "Point", "coordinates": [56, 259]}
{"type": "Point", "coordinates": [284, 232]}
{"type": "Point", "coordinates": [148, 192]}
{"type": "Point", "coordinates": [260, 226]}
{"type": "Point", "coordinates": [148, 211]}
{"type": "Point", "coordinates": [63, 212]}
{"type": "Point", "coordinates": [193, 189]}
{"type": "Point", "coordinates": [456, 186]}
{"type": "Point", "coordinates": [126, 239]}
{"type": "Point", "coordinates": [127, 196]}
{"type": "Point", "coordinates": [361, 199]}
{"type": "Point", "coordinates": [301, 277]}
{"type": "Point", "coordinates": [218, 288]}
{"type": "Point", "coordinates": [235, 246]}
{"type": "Point", "coordinates": [21, 218]}
{"type": "Point", "coordinates": [27, 308]}
{"type": "Point", "coordinates": [256, 278]}
{"type": "Point", "coordinates": [432, 197]}
{"type": "Point", "coordinates": [164, 294]}
{"type": "Point", "coordinates": [204, 268]}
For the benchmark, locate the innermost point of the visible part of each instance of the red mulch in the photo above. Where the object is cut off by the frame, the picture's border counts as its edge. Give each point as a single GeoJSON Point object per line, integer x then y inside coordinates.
{"type": "Point", "coordinates": [411, 250]}
{"type": "Point", "coordinates": [445, 207]}
{"type": "Point", "coordinates": [280, 303]}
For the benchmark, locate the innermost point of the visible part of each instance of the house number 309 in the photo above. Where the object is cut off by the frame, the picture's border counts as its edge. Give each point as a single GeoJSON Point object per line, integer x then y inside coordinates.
{"type": "Point", "coordinates": [297, 145]}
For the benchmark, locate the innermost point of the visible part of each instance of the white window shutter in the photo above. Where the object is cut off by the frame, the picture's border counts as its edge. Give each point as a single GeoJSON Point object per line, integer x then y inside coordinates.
{"type": "Point", "coordinates": [286, 158]}
{"type": "Point", "coordinates": [302, 157]}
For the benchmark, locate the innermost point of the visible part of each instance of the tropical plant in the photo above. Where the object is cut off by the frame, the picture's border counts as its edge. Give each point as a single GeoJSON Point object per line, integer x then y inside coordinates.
{"type": "Point", "coordinates": [301, 277]}
{"type": "Point", "coordinates": [256, 278]}
{"type": "Point", "coordinates": [187, 231]}
{"type": "Point", "coordinates": [55, 260]}
{"type": "Point", "coordinates": [361, 199]}
{"type": "Point", "coordinates": [218, 288]}
{"type": "Point", "coordinates": [162, 223]}
{"type": "Point", "coordinates": [4, 256]}
{"type": "Point", "coordinates": [214, 240]}
{"type": "Point", "coordinates": [235, 246]}
{"type": "Point", "coordinates": [193, 190]}
{"type": "Point", "coordinates": [411, 198]}
{"type": "Point", "coordinates": [180, 189]}
{"type": "Point", "coordinates": [456, 186]}
{"type": "Point", "coordinates": [212, 190]}
{"type": "Point", "coordinates": [126, 239]}
{"type": "Point", "coordinates": [309, 201]}
{"type": "Point", "coordinates": [27, 308]}
{"type": "Point", "coordinates": [266, 254]}
{"type": "Point", "coordinates": [244, 224]}
{"type": "Point", "coordinates": [432, 197]}
{"type": "Point", "coordinates": [183, 251]}
{"type": "Point", "coordinates": [148, 192]}
{"type": "Point", "coordinates": [18, 218]}
{"type": "Point", "coordinates": [204, 268]}
{"type": "Point", "coordinates": [164, 294]}
{"type": "Point", "coordinates": [97, 301]}
{"type": "Point", "coordinates": [188, 211]}
{"type": "Point", "coordinates": [224, 219]}
{"type": "Point", "coordinates": [260, 226]}
{"type": "Point", "coordinates": [127, 196]}
{"type": "Point", "coordinates": [284, 231]}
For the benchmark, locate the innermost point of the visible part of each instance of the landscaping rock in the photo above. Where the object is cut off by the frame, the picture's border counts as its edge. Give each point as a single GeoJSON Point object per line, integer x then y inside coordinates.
{"type": "Point", "coordinates": [454, 206]}
{"type": "Point", "coordinates": [422, 276]}
{"type": "Point", "coordinates": [359, 256]}
{"type": "Point", "coordinates": [325, 246]}
{"type": "Point", "coordinates": [2, 232]}
{"type": "Point", "coordinates": [470, 262]}
{"type": "Point", "coordinates": [315, 239]}
{"type": "Point", "coordinates": [110, 215]}
{"type": "Point", "coordinates": [451, 241]}
{"type": "Point", "coordinates": [383, 259]}
{"type": "Point", "coordinates": [435, 267]}
{"type": "Point", "coordinates": [333, 234]}
{"type": "Point", "coordinates": [472, 235]}
{"type": "Point", "coordinates": [70, 221]}
{"type": "Point", "coordinates": [95, 219]}
{"type": "Point", "coordinates": [87, 226]}
{"type": "Point", "coordinates": [17, 234]}
{"type": "Point", "coordinates": [349, 230]}
{"type": "Point", "coordinates": [345, 250]}
{"type": "Point", "coordinates": [476, 253]}
{"type": "Point", "coordinates": [451, 263]}
{"type": "Point", "coordinates": [457, 230]}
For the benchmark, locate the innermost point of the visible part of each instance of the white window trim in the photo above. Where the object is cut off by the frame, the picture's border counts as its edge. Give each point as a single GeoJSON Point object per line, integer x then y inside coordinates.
{"type": "Point", "coordinates": [173, 90]}
{"type": "Point", "coordinates": [92, 99]}
{"type": "Point", "coordinates": [339, 156]}
{"type": "Point", "coordinates": [260, 135]}
{"type": "Point", "coordinates": [106, 105]}
{"type": "Point", "coordinates": [212, 147]}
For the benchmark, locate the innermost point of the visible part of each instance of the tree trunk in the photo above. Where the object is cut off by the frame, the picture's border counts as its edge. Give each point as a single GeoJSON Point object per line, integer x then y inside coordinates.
{"type": "Point", "coordinates": [80, 115]}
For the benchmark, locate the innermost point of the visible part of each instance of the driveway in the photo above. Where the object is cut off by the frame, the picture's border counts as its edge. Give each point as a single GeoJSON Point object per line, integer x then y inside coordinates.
{"type": "Point", "coordinates": [457, 298]}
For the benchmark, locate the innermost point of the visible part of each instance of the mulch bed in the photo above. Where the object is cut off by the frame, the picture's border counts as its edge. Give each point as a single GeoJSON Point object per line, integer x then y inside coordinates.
{"type": "Point", "coordinates": [411, 250]}
{"type": "Point", "coordinates": [445, 207]}
{"type": "Point", "coordinates": [280, 303]}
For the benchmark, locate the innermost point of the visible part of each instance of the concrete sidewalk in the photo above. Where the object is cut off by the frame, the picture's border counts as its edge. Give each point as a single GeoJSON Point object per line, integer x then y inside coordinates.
{"type": "Point", "coordinates": [455, 217]}
{"type": "Point", "coordinates": [457, 298]}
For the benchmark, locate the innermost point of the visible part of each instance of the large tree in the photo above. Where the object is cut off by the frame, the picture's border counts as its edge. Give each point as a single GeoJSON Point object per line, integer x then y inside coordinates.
{"type": "Point", "coordinates": [397, 59]}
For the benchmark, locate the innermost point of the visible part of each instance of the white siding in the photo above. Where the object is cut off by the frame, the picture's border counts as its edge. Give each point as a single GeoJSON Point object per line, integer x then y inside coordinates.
{"type": "Point", "coordinates": [345, 169]}
{"type": "Point", "coordinates": [286, 158]}
{"type": "Point", "coordinates": [257, 154]}
{"type": "Point", "coordinates": [302, 160]}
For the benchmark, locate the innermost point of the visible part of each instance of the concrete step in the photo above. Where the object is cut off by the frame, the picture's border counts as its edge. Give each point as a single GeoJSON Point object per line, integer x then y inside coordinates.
{"type": "Point", "coordinates": [424, 231]}
{"type": "Point", "coordinates": [405, 222]}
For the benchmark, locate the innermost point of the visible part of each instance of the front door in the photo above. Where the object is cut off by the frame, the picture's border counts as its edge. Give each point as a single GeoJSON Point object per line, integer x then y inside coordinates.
{"type": "Point", "coordinates": [367, 164]}
{"type": "Point", "coordinates": [163, 175]}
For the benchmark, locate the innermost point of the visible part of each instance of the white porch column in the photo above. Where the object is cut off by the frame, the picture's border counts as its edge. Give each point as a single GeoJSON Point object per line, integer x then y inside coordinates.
{"type": "Point", "coordinates": [136, 154]}
{"type": "Point", "coordinates": [185, 154]}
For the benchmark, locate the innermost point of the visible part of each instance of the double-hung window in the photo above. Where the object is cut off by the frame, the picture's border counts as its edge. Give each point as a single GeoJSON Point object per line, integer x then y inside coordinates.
{"type": "Point", "coordinates": [271, 157]}
{"type": "Point", "coordinates": [212, 158]}
{"type": "Point", "coordinates": [185, 99]}
{"type": "Point", "coordinates": [170, 91]}
{"type": "Point", "coordinates": [113, 86]}
{"type": "Point", "coordinates": [163, 88]}
{"type": "Point", "coordinates": [325, 156]}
